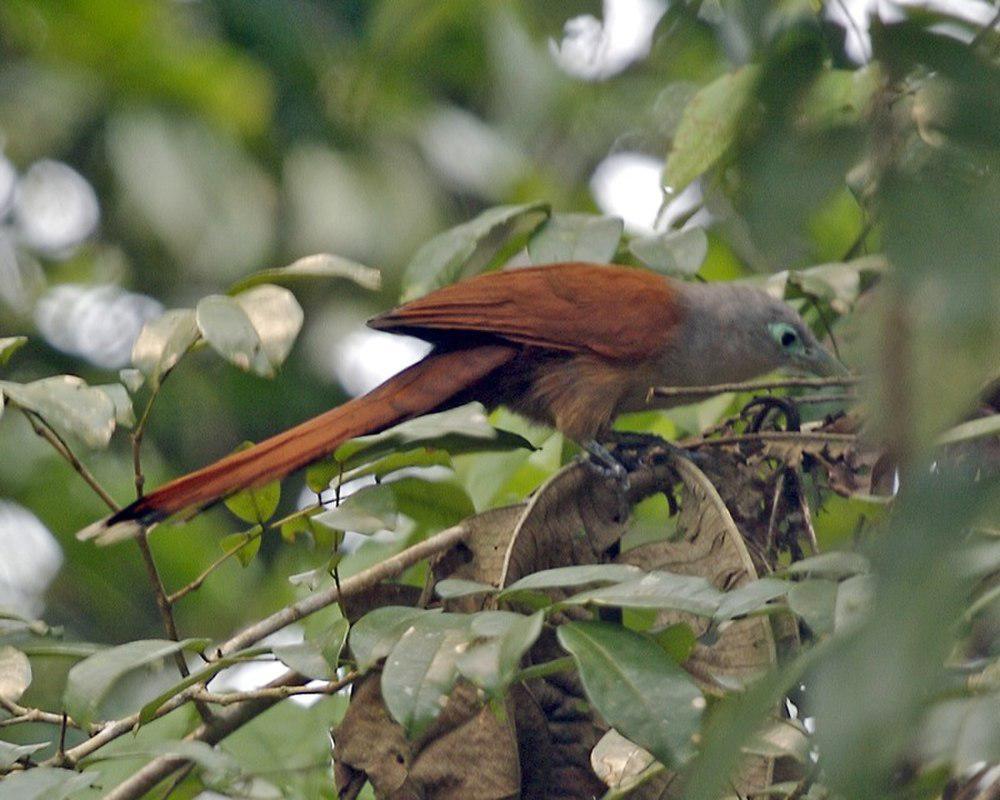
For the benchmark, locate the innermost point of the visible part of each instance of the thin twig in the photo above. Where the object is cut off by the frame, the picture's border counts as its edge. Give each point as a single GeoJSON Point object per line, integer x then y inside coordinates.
{"type": "Point", "coordinates": [197, 582]}
{"type": "Point", "coordinates": [27, 714]}
{"type": "Point", "coordinates": [277, 692]}
{"type": "Point", "coordinates": [772, 523]}
{"type": "Point", "coordinates": [820, 399]}
{"type": "Point", "coordinates": [356, 584]}
{"type": "Point", "coordinates": [751, 386]}
{"type": "Point", "coordinates": [49, 434]}
{"type": "Point", "coordinates": [227, 721]}
{"type": "Point", "coordinates": [773, 436]}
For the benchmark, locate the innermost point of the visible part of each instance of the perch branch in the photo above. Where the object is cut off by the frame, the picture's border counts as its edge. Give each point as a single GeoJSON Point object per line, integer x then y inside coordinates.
{"type": "Point", "coordinates": [751, 386]}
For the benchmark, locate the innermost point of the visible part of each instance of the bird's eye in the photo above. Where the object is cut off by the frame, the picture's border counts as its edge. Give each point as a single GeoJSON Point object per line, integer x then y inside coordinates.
{"type": "Point", "coordinates": [785, 335]}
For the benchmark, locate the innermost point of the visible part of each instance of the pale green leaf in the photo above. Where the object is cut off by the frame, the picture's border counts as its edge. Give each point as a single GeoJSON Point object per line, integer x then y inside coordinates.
{"type": "Point", "coordinates": [229, 331]}
{"type": "Point", "coordinates": [376, 633]}
{"type": "Point", "coordinates": [276, 316]}
{"type": "Point", "coordinates": [10, 345]}
{"type": "Point", "coordinates": [575, 237]}
{"type": "Point", "coordinates": [90, 681]}
{"type": "Point", "coordinates": [709, 126]}
{"type": "Point", "coordinates": [162, 342]}
{"type": "Point", "coordinates": [15, 673]}
{"type": "Point", "coordinates": [678, 253]}
{"type": "Point", "coordinates": [468, 248]}
{"type": "Point", "coordinates": [68, 404]}
{"type": "Point", "coordinates": [321, 266]}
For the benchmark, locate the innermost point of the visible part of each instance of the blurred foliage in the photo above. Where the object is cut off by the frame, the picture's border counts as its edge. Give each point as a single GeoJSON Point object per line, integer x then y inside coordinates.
{"type": "Point", "coordinates": [185, 151]}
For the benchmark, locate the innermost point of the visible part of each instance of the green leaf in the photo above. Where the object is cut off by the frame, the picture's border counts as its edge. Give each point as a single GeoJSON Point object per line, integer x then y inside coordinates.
{"type": "Point", "coordinates": [367, 511]}
{"type": "Point", "coordinates": [493, 664]}
{"type": "Point", "coordinates": [451, 588]}
{"type": "Point", "coordinates": [468, 248]}
{"type": "Point", "coordinates": [677, 641]}
{"type": "Point", "coordinates": [814, 601]}
{"type": "Point", "coordinates": [575, 237]}
{"type": "Point", "coordinates": [835, 564]}
{"type": "Point", "coordinates": [661, 590]}
{"type": "Point", "coordinates": [750, 597]}
{"type": "Point", "coordinates": [973, 429]}
{"type": "Point", "coordinates": [10, 345]}
{"type": "Point", "coordinates": [229, 331]}
{"type": "Point", "coordinates": [854, 601]}
{"type": "Point", "coordinates": [708, 126]}
{"type": "Point", "coordinates": [782, 738]}
{"type": "Point", "coordinates": [840, 96]}
{"type": "Point", "coordinates": [420, 670]}
{"type": "Point", "coordinates": [245, 545]}
{"type": "Point", "coordinates": [580, 575]}
{"type": "Point", "coordinates": [118, 394]}
{"type": "Point", "coordinates": [678, 253]}
{"type": "Point", "coordinates": [10, 754]}
{"type": "Point", "coordinates": [432, 504]}
{"type": "Point", "coordinates": [162, 342]}
{"type": "Point", "coordinates": [376, 633]}
{"type": "Point", "coordinates": [465, 429]}
{"type": "Point", "coordinates": [321, 266]}
{"type": "Point", "coordinates": [66, 403]}
{"type": "Point", "coordinates": [636, 688]}
{"type": "Point", "coordinates": [276, 316]}
{"type": "Point", "coordinates": [15, 673]}
{"type": "Point", "coordinates": [306, 658]}
{"type": "Point", "coordinates": [91, 680]}
{"type": "Point", "coordinates": [44, 783]}
{"type": "Point", "coordinates": [148, 711]}
{"type": "Point", "coordinates": [255, 505]}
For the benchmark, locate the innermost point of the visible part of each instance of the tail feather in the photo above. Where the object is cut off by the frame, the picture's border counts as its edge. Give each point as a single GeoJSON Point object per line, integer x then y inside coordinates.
{"type": "Point", "coordinates": [419, 389]}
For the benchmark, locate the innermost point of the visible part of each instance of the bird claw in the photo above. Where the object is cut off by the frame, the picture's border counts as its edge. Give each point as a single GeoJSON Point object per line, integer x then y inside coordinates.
{"type": "Point", "coordinates": [607, 465]}
{"type": "Point", "coordinates": [634, 449]}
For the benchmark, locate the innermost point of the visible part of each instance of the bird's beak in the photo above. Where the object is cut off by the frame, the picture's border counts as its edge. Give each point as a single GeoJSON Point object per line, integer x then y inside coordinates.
{"type": "Point", "coordinates": [822, 362]}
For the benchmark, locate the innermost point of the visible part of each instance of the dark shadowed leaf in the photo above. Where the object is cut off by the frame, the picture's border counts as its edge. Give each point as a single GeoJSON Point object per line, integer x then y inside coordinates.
{"type": "Point", "coordinates": [315, 267]}
{"type": "Point", "coordinates": [575, 237]}
{"type": "Point", "coordinates": [468, 247]}
{"type": "Point", "coordinates": [678, 253]}
{"type": "Point", "coordinates": [67, 404]}
{"type": "Point", "coordinates": [708, 126]}
{"type": "Point", "coordinates": [636, 688]}
{"type": "Point", "coordinates": [420, 669]}
{"type": "Point", "coordinates": [376, 633]}
{"type": "Point", "coordinates": [229, 331]}
{"type": "Point", "coordinates": [92, 679]}
{"type": "Point", "coordinates": [162, 342]}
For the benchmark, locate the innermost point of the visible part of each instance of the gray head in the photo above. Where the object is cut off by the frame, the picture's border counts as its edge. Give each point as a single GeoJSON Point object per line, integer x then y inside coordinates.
{"type": "Point", "coordinates": [740, 332]}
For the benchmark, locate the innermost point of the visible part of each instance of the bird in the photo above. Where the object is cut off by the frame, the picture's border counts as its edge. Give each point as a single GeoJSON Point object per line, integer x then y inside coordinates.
{"type": "Point", "coordinates": [570, 345]}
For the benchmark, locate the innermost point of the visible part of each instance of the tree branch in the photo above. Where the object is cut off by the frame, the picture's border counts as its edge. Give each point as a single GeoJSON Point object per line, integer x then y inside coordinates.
{"type": "Point", "coordinates": [48, 433]}
{"type": "Point", "coordinates": [750, 386]}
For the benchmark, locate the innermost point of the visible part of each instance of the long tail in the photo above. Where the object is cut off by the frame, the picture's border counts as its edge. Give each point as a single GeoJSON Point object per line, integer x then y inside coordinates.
{"type": "Point", "coordinates": [419, 389]}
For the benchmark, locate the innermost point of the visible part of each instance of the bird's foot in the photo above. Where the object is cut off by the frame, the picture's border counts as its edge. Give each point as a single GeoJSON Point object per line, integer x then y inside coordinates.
{"type": "Point", "coordinates": [632, 450]}
{"type": "Point", "coordinates": [607, 465]}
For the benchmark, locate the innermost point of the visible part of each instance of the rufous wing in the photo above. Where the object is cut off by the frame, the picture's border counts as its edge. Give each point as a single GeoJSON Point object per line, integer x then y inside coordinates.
{"type": "Point", "coordinates": [615, 312]}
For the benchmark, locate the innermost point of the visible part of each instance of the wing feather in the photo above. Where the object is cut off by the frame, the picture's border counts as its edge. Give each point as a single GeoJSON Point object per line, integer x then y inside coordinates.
{"type": "Point", "coordinates": [615, 312]}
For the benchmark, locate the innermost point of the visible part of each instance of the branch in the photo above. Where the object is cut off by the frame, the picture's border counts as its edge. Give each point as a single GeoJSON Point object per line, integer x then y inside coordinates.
{"type": "Point", "coordinates": [356, 584]}
{"type": "Point", "coordinates": [751, 386]}
{"type": "Point", "coordinates": [48, 433]}
{"type": "Point", "coordinates": [211, 733]}
{"type": "Point", "coordinates": [197, 582]}
{"type": "Point", "coordinates": [773, 436]}
{"type": "Point", "coordinates": [277, 692]}
{"type": "Point", "coordinates": [26, 714]}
